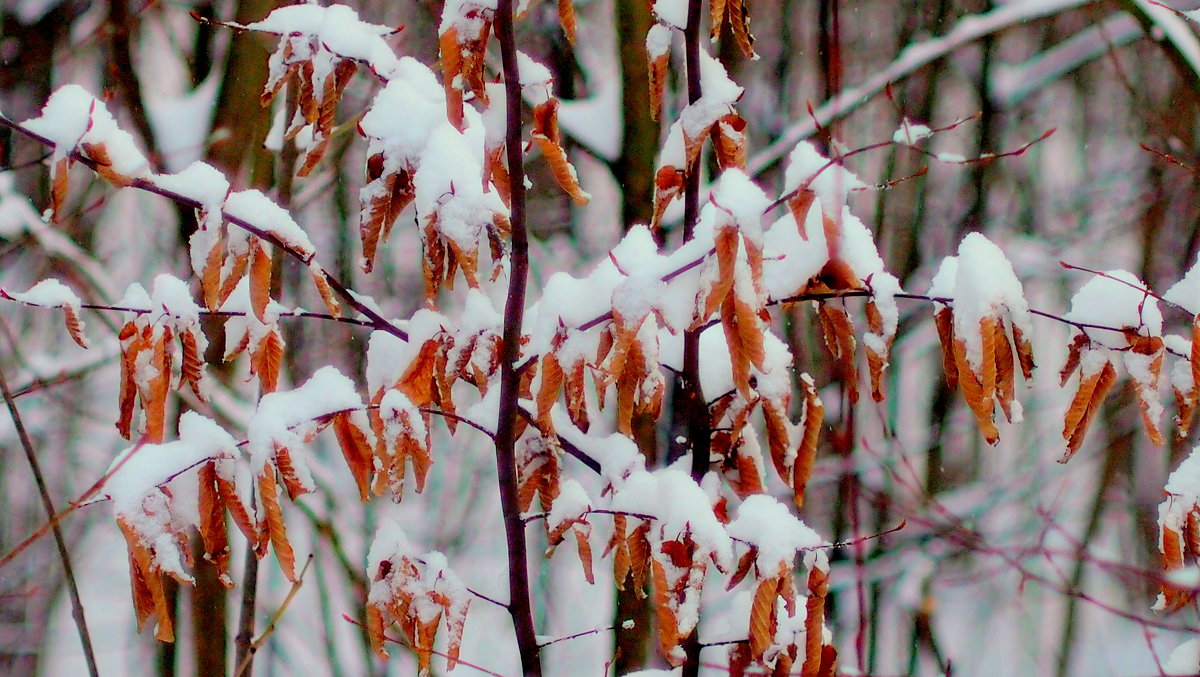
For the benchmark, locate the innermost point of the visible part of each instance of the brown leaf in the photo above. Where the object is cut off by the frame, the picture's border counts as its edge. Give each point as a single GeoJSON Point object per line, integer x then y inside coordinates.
{"type": "Point", "coordinates": [1006, 388]}
{"type": "Point", "coordinates": [1024, 353]}
{"type": "Point", "coordinates": [730, 142]}
{"type": "Point", "coordinates": [1074, 352]}
{"type": "Point", "coordinates": [74, 326]}
{"type": "Point", "coordinates": [944, 320]}
{"type": "Point", "coordinates": [191, 363]}
{"type": "Point", "coordinates": [321, 280]}
{"type": "Point", "coordinates": [212, 523]}
{"type": "Point", "coordinates": [716, 18]}
{"type": "Point", "coordinates": [133, 341]}
{"type": "Point", "coordinates": [972, 391]}
{"type": "Point", "coordinates": [763, 617]}
{"type": "Point", "coordinates": [739, 21]}
{"type": "Point", "coordinates": [375, 627]}
{"type": "Point", "coordinates": [1084, 406]}
{"type": "Point", "coordinates": [59, 179]}
{"type": "Point", "coordinates": [814, 622]}
{"type": "Point", "coordinates": [237, 510]}
{"type": "Point", "coordinates": [566, 16]}
{"type": "Point", "coordinates": [806, 455]}
{"type": "Point", "coordinates": [877, 362]}
{"type": "Point", "coordinates": [417, 383]}
{"type": "Point", "coordinates": [357, 450]}
{"type": "Point", "coordinates": [266, 361]}
{"type": "Point", "coordinates": [838, 331]}
{"type": "Point", "coordinates": [268, 496]}
{"type": "Point", "coordinates": [237, 271]}
{"type": "Point", "coordinates": [582, 531]}
{"type": "Point", "coordinates": [668, 624]}
{"type": "Point", "coordinates": [154, 398]}
{"type": "Point", "coordinates": [561, 168]}
{"type": "Point", "coordinates": [260, 279]}
{"type": "Point", "coordinates": [658, 82]}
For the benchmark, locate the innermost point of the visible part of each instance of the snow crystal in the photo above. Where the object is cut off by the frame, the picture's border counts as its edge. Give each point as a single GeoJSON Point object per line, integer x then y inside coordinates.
{"type": "Point", "coordinates": [1116, 299]}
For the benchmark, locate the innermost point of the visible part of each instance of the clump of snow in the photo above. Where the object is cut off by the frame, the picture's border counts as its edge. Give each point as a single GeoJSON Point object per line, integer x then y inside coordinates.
{"type": "Point", "coordinates": [1184, 661]}
{"type": "Point", "coordinates": [287, 418]}
{"type": "Point", "coordinates": [1116, 299]}
{"type": "Point", "coordinates": [680, 506]}
{"type": "Point", "coordinates": [571, 504]}
{"type": "Point", "coordinates": [766, 524]}
{"type": "Point", "coordinates": [718, 94]}
{"type": "Point", "coordinates": [200, 182]}
{"type": "Point", "coordinates": [910, 133]}
{"type": "Point", "coordinates": [1186, 292]}
{"type": "Point", "coordinates": [741, 200]}
{"type": "Point", "coordinates": [658, 41]}
{"type": "Point", "coordinates": [672, 12]}
{"type": "Point", "coordinates": [49, 293]}
{"type": "Point", "coordinates": [258, 210]}
{"type": "Point", "coordinates": [831, 182]}
{"type": "Point", "coordinates": [73, 117]}
{"type": "Point", "coordinates": [984, 286]}
{"type": "Point", "coordinates": [333, 31]}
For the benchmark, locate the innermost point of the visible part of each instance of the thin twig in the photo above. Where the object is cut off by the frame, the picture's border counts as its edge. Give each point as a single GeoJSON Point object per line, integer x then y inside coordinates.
{"type": "Point", "coordinates": [72, 589]}
{"type": "Point", "coordinates": [262, 639]}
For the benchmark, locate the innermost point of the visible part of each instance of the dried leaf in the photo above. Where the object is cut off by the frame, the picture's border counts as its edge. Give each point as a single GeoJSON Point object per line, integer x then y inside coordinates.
{"type": "Point", "coordinates": [582, 531]}
{"type": "Point", "coordinates": [566, 16]}
{"type": "Point", "coordinates": [267, 360]}
{"type": "Point", "coordinates": [814, 621]}
{"type": "Point", "coordinates": [191, 364]}
{"type": "Point", "coordinates": [561, 168]}
{"type": "Point", "coordinates": [321, 280]}
{"type": "Point", "coordinates": [944, 320]}
{"type": "Point", "coordinates": [268, 496]}
{"type": "Point", "coordinates": [356, 448]}
{"type": "Point", "coordinates": [59, 178]}
{"type": "Point", "coordinates": [658, 82]}
{"type": "Point", "coordinates": [972, 391]}
{"type": "Point", "coordinates": [763, 617]}
{"type": "Point", "coordinates": [806, 455]}
{"type": "Point", "coordinates": [1084, 406]}
{"type": "Point", "coordinates": [260, 279]}
{"type": "Point", "coordinates": [838, 331]}
{"type": "Point", "coordinates": [668, 624]}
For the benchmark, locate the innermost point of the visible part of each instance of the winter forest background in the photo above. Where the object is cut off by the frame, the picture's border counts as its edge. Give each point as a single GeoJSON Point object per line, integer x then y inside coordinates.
{"type": "Point", "coordinates": [958, 556]}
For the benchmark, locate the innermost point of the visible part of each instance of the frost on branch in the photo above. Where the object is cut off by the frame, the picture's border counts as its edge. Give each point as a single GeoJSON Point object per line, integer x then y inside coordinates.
{"type": "Point", "coordinates": [1179, 529]}
{"type": "Point", "coordinates": [160, 491]}
{"type": "Point", "coordinates": [986, 305]}
{"type": "Point", "coordinates": [417, 593]}
{"type": "Point", "coordinates": [319, 48]}
{"type": "Point", "coordinates": [50, 293]}
{"type": "Point", "coordinates": [1118, 300]}
{"type": "Point", "coordinates": [76, 122]}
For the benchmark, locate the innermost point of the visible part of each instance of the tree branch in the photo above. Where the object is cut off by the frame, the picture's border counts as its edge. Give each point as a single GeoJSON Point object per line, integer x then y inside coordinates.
{"type": "Point", "coordinates": [72, 589]}
{"type": "Point", "coordinates": [519, 605]}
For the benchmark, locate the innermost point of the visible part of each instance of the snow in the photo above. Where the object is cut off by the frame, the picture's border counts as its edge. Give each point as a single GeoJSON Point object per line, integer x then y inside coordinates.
{"type": "Point", "coordinates": [911, 133]}
{"type": "Point", "coordinates": [143, 467]}
{"type": "Point", "coordinates": [72, 117]}
{"type": "Point", "coordinates": [571, 504]}
{"type": "Point", "coordinates": [286, 418]}
{"type": "Point", "coordinates": [679, 506]}
{"type": "Point", "coordinates": [335, 29]}
{"type": "Point", "coordinates": [1184, 661]}
{"type": "Point", "coordinates": [466, 16]}
{"type": "Point", "coordinates": [984, 286]}
{"type": "Point", "coordinates": [49, 293]}
{"type": "Point", "coordinates": [718, 94]}
{"type": "Point", "coordinates": [200, 182]}
{"type": "Point", "coordinates": [1116, 299]}
{"type": "Point", "coordinates": [449, 184]}
{"type": "Point", "coordinates": [672, 12]}
{"type": "Point", "coordinates": [258, 210]}
{"type": "Point", "coordinates": [1186, 292]}
{"type": "Point", "coordinates": [658, 41]}
{"type": "Point", "coordinates": [740, 198]}
{"type": "Point", "coordinates": [1183, 494]}
{"type": "Point", "coordinates": [173, 296]}
{"type": "Point", "coordinates": [768, 525]}
{"type": "Point", "coordinates": [832, 183]}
